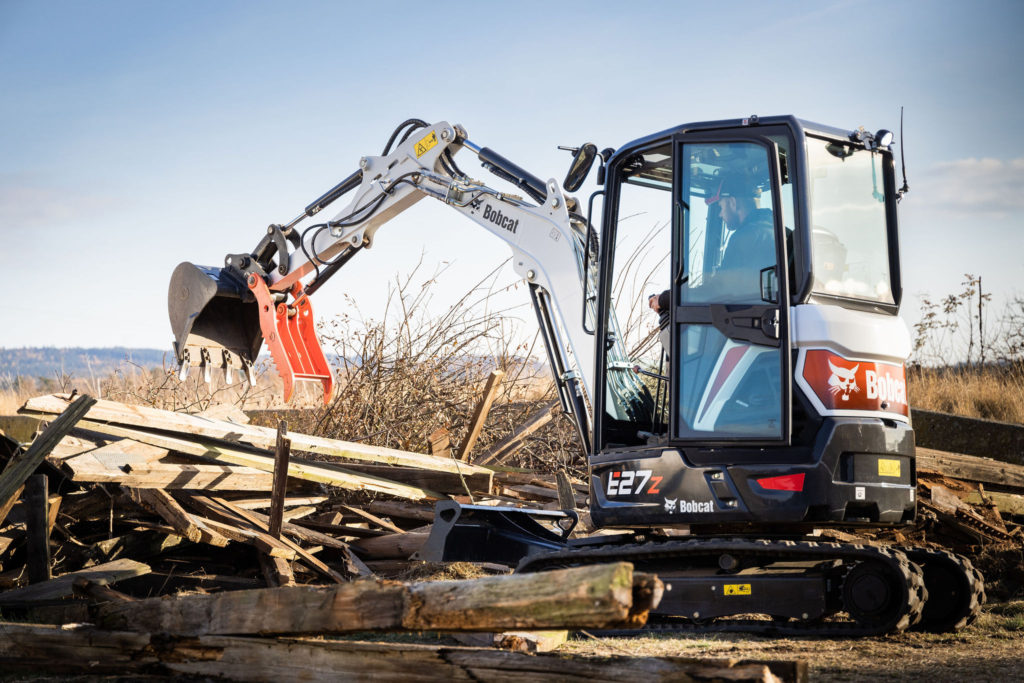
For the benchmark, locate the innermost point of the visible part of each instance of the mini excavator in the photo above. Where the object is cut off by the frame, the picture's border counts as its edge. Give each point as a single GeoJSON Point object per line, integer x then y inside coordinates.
{"type": "Point", "coordinates": [777, 404]}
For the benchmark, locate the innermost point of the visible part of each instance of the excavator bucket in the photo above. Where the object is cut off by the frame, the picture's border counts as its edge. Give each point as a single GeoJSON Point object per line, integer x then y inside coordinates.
{"type": "Point", "coordinates": [215, 320]}
{"type": "Point", "coordinates": [220, 321]}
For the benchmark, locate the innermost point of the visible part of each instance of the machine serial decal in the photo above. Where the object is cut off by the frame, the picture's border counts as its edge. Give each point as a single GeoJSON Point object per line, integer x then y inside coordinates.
{"type": "Point", "coordinates": [500, 219]}
{"type": "Point", "coordinates": [888, 468]}
{"type": "Point", "coordinates": [426, 144]}
{"type": "Point", "coordinates": [629, 482]}
{"type": "Point", "coordinates": [736, 589]}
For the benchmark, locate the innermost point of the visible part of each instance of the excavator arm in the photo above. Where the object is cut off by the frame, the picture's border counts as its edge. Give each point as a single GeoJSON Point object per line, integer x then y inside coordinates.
{"type": "Point", "coordinates": [222, 316]}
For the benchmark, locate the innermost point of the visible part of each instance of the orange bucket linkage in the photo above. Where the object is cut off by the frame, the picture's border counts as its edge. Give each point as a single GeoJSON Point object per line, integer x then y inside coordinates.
{"type": "Point", "coordinates": [290, 333]}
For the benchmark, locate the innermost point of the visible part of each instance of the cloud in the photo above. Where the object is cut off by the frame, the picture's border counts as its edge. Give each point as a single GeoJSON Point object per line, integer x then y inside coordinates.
{"type": "Point", "coordinates": [25, 204]}
{"type": "Point", "coordinates": [977, 187]}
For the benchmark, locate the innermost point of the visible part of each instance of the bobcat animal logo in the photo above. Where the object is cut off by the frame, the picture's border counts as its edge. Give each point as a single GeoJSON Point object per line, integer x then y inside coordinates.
{"type": "Point", "coordinates": [843, 381]}
{"type": "Point", "coordinates": [670, 504]}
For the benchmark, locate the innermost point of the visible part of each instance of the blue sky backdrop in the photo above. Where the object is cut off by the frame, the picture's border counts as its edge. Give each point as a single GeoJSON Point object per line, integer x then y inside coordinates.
{"type": "Point", "coordinates": [135, 135]}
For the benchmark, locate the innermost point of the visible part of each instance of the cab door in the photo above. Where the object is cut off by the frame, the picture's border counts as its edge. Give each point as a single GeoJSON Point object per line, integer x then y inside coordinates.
{"type": "Point", "coordinates": [729, 361]}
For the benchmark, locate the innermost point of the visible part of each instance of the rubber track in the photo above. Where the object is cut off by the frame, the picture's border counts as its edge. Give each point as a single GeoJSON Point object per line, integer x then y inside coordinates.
{"type": "Point", "coordinates": [762, 552]}
{"type": "Point", "coordinates": [971, 602]}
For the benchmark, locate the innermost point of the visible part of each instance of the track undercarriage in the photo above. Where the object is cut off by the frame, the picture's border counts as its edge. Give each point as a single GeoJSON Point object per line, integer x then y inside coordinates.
{"type": "Point", "coordinates": [800, 588]}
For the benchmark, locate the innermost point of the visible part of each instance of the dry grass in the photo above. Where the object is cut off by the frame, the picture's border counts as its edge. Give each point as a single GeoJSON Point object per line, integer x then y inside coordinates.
{"type": "Point", "coordinates": [990, 392]}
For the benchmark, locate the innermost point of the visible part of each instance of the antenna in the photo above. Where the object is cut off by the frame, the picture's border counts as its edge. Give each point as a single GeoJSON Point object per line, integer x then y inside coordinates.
{"type": "Point", "coordinates": [903, 162]}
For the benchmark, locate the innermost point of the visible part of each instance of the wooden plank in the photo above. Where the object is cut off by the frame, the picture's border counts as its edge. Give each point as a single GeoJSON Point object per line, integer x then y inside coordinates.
{"type": "Point", "coordinates": [59, 587]}
{"type": "Point", "coordinates": [98, 592]}
{"type": "Point", "coordinates": [994, 474]}
{"type": "Point", "coordinates": [587, 597]}
{"type": "Point", "coordinates": [391, 547]}
{"type": "Point", "coordinates": [81, 649]}
{"type": "Point", "coordinates": [369, 516]}
{"type": "Point", "coordinates": [566, 496]}
{"type": "Point", "coordinates": [262, 437]}
{"type": "Point", "coordinates": [88, 468]}
{"type": "Point", "coordinates": [518, 641]}
{"type": "Point", "coordinates": [196, 477]}
{"type": "Point", "coordinates": [514, 441]}
{"type": "Point", "coordinates": [281, 453]}
{"type": "Point", "coordinates": [162, 504]}
{"type": "Point", "coordinates": [1007, 503]}
{"type": "Point", "coordinates": [19, 469]}
{"type": "Point", "coordinates": [37, 528]}
{"type": "Point", "coordinates": [401, 509]}
{"type": "Point", "coordinates": [307, 558]}
{"type": "Point", "coordinates": [480, 412]}
{"type": "Point", "coordinates": [334, 476]}
{"type": "Point", "coordinates": [265, 543]}
{"type": "Point", "coordinates": [439, 443]}
{"type": "Point", "coordinates": [442, 482]}
{"type": "Point", "coordinates": [263, 502]}
{"type": "Point", "coordinates": [277, 571]}
{"type": "Point", "coordinates": [5, 507]}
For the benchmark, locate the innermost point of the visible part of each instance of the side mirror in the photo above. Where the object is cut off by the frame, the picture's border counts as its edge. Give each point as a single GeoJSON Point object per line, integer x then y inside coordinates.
{"type": "Point", "coordinates": [582, 161]}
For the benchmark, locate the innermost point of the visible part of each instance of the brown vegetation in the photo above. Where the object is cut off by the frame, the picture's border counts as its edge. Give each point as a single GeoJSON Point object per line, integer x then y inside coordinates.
{"type": "Point", "coordinates": [990, 392]}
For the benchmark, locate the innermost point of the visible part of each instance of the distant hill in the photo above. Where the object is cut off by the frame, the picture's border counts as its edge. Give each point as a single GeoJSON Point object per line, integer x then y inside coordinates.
{"type": "Point", "coordinates": [48, 362]}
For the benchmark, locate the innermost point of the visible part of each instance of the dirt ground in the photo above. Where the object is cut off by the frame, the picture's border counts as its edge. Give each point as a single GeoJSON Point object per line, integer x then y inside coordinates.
{"type": "Point", "coordinates": [991, 649]}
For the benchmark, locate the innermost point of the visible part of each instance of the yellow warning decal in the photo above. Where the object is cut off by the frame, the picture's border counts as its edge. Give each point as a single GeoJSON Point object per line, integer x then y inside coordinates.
{"type": "Point", "coordinates": [737, 589]}
{"type": "Point", "coordinates": [426, 144]}
{"type": "Point", "coordinates": [888, 468]}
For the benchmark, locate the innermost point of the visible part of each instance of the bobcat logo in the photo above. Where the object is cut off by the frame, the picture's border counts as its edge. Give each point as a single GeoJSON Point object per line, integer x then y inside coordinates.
{"type": "Point", "coordinates": [843, 381]}
{"type": "Point", "coordinates": [670, 504]}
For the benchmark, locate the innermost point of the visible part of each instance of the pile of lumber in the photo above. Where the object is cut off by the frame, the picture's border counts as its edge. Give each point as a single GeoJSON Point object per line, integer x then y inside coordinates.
{"type": "Point", "coordinates": [166, 543]}
{"type": "Point", "coordinates": [131, 481]}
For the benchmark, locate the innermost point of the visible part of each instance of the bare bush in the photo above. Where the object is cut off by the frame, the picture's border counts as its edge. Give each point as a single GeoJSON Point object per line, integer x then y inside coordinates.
{"type": "Point", "coordinates": [403, 376]}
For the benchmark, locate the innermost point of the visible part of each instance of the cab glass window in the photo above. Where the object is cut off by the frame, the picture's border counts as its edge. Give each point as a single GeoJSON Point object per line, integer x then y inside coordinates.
{"type": "Point", "coordinates": [849, 239]}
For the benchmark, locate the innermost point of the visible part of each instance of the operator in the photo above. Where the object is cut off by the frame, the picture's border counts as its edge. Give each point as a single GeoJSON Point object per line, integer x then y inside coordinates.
{"type": "Point", "coordinates": [659, 303]}
{"type": "Point", "coordinates": [750, 245]}
{"type": "Point", "coordinates": [749, 248]}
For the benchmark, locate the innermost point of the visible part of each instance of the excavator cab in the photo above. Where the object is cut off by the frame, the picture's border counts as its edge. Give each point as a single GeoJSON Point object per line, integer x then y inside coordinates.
{"type": "Point", "coordinates": [774, 242]}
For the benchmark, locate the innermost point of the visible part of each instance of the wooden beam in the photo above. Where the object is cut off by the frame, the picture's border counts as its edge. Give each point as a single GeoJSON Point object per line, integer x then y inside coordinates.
{"type": "Point", "coordinates": [281, 453]}
{"type": "Point", "coordinates": [261, 437]}
{"type": "Point", "coordinates": [317, 564]}
{"type": "Point", "coordinates": [566, 496]}
{"type": "Point", "coordinates": [994, 474]}
{"type": "Point", "coordinates": [5, 507]}
{"type": "Point", "coordinates": [370, 517]}
{"type": "Point", "coordinates": [393, 546]}
{"type": "Point", "coordinates": [98, 592]}
{"type": "Point", "coordinates": [442, 482]}
{"type": "Point", "coordinates": [402, 509]}
{"type": "Point", "coordinates": [439, 443]}
{"type": "Point", "coordinates": [62, 586]}
{"type": "Point", "coordinates": [514, 441]}
{"type": "Point", "coordinates": [334, 476]}
{"type": "Point", "coordinates": [19, 469]}
{"type": "Point", "coordinates": [587, 597]}
{"type": "Point", "coordinates": [37, 528]}
{"type": "Point", "coordinates": [483, 407]}
{"type": "Point", "coordinates": [82, 649]}
{"type": "Point", "coordinates": [163, 505]}
{"type": "Point", "coordinates": [276, 571]}
{"type": "Point", "coordinates": [1007, 503]}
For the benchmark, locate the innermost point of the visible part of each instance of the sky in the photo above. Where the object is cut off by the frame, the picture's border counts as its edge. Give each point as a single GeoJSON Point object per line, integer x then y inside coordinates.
{"type": "Point", "coordinates": [136, 135]}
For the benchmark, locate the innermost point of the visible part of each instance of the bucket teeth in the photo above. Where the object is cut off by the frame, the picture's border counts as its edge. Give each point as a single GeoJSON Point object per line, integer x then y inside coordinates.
{"type": "Point", "coordinates": [228, 377]}
{"type": "Point", "coordinates": [226, 361]}
{"type": "Point", "coordinates": [184, 367]}
{"type": "Point", "coordinates": [206, 366]}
